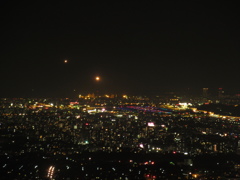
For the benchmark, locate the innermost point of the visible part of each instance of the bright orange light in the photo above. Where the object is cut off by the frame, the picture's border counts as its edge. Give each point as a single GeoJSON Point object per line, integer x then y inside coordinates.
{"type": "Point", "coordinates": [97, 78]}
{"type": "Point", "coordinates": [195, 175]}
{"type": "Point", "coordinates": [65, 61]}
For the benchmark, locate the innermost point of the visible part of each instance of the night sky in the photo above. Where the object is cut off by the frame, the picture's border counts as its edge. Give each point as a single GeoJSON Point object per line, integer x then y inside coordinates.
{"type": "Point", "coordinates": [138, 47]}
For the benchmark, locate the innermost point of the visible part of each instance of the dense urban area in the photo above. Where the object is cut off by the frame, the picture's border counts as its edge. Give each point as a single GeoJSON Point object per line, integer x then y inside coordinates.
{"type": "Point", "coordinates": [120, 137]}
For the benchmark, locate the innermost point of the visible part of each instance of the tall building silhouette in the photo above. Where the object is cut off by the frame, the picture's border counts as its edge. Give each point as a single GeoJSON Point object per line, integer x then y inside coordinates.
{"type": "Point", "coordinates": [205, 92]}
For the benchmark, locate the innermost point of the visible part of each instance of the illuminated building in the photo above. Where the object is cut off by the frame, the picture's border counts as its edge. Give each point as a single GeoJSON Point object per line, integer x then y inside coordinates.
{"type": "Point", "coordinates": [220, 92]}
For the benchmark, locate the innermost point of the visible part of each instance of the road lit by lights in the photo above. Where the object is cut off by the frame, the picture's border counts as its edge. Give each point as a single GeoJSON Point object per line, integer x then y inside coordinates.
{"type": "Point", "coordinates": [50, 172]}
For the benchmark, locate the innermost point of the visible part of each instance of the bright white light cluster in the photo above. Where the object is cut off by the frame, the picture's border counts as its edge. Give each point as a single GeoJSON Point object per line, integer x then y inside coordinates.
{"type": "Point", "coordinates": [50, 172]}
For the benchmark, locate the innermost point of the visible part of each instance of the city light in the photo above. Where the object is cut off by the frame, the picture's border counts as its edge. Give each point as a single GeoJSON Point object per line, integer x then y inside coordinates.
{"type": "Point", "coordinates": [50, 172]}
{"type": "Point", "coordinates": [141, 146]}
{"type": "Point", "coordinates": [151, 124]}
{"type": "Point", "coordinates": [71, 128]}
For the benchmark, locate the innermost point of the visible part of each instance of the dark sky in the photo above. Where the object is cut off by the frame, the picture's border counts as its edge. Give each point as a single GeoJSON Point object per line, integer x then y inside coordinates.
{"type": "Point", "coordinates": [136, 47]}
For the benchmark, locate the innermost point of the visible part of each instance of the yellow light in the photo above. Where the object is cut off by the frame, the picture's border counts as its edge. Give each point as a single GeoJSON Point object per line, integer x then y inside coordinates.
{"type": "Point", "coordinates": [195, 175]}
{"type": "Point", "coordinates": [125, 96]}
